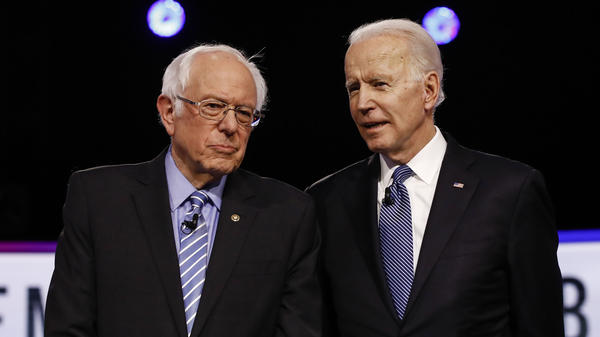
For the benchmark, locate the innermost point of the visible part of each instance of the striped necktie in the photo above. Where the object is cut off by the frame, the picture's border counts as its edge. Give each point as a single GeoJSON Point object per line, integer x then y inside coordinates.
{"type": "Point", "coordinates": [193, 255]}
{"type": "Point", "coordinates": [396, 240]}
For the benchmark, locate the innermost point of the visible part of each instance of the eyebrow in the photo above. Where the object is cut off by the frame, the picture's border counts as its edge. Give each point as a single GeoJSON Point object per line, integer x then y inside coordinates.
{"type": "Point", "coordinates": [370, 79]}
{"type": "Point", "coordinates": [220, 98]}
{"type": "Point", "coordinates": [379, 76]}
{"type": "Point", "coordinates": [350, 83]}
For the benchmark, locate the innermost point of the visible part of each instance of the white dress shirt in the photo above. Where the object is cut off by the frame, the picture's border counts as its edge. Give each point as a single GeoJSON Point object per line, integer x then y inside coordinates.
{"type": "Point", "coordinates": [421, 186]}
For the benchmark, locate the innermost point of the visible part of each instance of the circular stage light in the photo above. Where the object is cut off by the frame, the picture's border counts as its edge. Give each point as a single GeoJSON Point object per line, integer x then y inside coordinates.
{"type": "Point", "coordinates": [442, 24]}
{"type": "Point", "coordinates": [165, 18]}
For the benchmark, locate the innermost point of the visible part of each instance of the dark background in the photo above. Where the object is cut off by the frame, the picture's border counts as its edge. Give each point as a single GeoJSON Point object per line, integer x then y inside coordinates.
{"type": "Point", "coordinates": [82, 80]}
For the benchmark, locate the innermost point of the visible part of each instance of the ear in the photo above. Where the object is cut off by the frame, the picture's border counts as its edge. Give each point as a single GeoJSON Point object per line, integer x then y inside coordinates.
{"type": "Point", "coordinates": [431, 88]}
{"type": "Point", "coordinates": [166, 110]}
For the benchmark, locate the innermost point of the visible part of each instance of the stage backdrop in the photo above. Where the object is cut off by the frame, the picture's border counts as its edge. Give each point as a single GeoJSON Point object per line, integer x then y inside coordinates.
{"type": "Point", "coordinates": [26, 268]}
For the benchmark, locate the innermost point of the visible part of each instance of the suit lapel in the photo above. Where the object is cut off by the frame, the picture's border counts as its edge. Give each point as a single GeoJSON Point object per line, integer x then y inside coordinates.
{"type": "Point", "coordinates": [361, 201]}
{"type": "Point", "coordinates": [152, 205]}
{"type": "Point", "coordinates": [449, 203]}
{"type": "Point", "coordinates": [235, 219]}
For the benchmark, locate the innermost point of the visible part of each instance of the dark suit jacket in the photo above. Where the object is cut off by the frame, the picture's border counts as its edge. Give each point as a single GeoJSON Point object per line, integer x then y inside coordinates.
{"type": "Point", "coordinates": [117, 274]}
{"type": "Point", "coordinates": [487, 265]}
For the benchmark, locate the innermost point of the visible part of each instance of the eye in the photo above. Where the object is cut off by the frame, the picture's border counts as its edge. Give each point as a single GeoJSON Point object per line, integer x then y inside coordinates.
{"type": "Point", "coordinates": [245, 112]}
{"type": "Point", "coordinates": [212, 108]}
{"type": "Point", "coordinates": [214, 105]}
{"type": "Point", "coordinates": [379, 84]}
{"type": "Point", "coordinates": [352, 88]}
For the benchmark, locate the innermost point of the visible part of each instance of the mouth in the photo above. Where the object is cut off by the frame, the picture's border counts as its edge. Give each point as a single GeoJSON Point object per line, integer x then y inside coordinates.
{"type": "Point", "coordinates": [374, 125]}
{"type": "Point", "coordinates": [224, 148]}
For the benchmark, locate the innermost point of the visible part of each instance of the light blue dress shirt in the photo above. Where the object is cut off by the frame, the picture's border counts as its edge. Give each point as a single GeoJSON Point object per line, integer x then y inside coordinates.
{"type": "Point", "coordinates": [180, 189]}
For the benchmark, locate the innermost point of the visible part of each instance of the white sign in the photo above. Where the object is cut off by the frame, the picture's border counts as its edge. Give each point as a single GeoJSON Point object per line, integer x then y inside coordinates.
{"type": "Point", "coordinates": [580, 266]}
{"type": "Point", "coordinates": [24, 280]}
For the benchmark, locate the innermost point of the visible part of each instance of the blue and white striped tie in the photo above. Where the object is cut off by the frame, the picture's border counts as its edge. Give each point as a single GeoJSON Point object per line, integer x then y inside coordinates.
{"type": "Point", "coordinates": [193, 255]}
{"type": "Point", "coordinates": [396, 240]}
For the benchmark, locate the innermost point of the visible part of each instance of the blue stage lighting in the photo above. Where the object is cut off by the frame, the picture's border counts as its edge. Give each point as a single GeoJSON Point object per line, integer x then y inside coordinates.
{"type": "Point", "coordinates": [442, 24]}
{"type": "Point", "coordinates": [165, 18]}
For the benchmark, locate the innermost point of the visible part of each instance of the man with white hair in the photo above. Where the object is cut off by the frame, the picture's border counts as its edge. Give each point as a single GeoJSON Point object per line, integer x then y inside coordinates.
{"type": "Point", "coordinates": [189, 244]}
{"type": "Point", "coordinates": [426, 238]}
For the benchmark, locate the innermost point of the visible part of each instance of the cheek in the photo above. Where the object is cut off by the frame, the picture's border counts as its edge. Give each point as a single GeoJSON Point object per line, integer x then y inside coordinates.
{"type": "Point", "coordinates": [352, 105]}
{"type": "Point", "coordinates": [192, 136]}
{"type": "Point", "coordinates": [354, 114]}
{"type": "Point", "coordinates": [404, 107]}
{"type": "Point", "coordinates": [244, 137]}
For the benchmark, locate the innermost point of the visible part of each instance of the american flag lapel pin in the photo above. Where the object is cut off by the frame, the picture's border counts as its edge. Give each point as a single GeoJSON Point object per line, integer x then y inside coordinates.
{"type": "Point", "coordinates": [458, 185]}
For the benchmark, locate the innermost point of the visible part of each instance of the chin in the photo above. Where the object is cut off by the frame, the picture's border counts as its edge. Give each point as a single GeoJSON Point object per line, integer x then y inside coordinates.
{"type": "Point", "coordinates": [377, 147]}
{"type": "Point", "coordinates": [223, 167]}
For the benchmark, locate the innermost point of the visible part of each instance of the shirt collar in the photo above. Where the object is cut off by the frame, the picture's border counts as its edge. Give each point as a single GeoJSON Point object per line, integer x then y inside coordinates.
{"type": "Point", "coordinates": [424, 164]}
{"type": "Point", "coordinates": [180, 188]}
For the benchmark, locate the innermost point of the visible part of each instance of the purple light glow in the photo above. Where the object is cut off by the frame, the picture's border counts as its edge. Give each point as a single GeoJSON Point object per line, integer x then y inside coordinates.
{"type": "Point", "coordinates": [165, 18]}
{"type": "Point", "coordinates": [442, 24]}
{"type": "Point", "coordinates": [582, 235]}
{"type": "Point", "coordinates": [27, 246]}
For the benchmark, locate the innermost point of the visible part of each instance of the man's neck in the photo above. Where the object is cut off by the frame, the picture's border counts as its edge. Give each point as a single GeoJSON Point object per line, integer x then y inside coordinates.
{"type": "Point", "coordinates": [414, 145]}
{"type": "Point", "coordinates": [197, 179]}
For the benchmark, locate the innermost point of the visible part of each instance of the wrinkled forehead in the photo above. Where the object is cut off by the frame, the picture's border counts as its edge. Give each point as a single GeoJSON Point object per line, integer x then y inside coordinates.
{"type": "Point", "coordinates": [386, 52]}
{"type": "Point", "coordinates": [223, 75]}
{"type": "Point", "coordinates": [218, 62]}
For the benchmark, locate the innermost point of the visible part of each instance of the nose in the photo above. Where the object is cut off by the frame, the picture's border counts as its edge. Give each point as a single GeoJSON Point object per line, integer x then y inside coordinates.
{"type": "Point", "coordinates": [364, 101]}
{"type": "Point", "coordinates": [229, 123]}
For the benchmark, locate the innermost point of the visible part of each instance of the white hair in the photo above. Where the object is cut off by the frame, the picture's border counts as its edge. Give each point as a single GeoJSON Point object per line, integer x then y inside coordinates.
{"type": "Point", "coordinates": [176, 76]}
{"type": "Point", "coordinates": [425, 54]}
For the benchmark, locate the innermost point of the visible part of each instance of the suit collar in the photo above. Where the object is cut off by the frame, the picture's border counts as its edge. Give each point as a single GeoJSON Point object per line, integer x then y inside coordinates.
{"type": "Point", "coordinates": [235, 220]}
{"type": "Point", "coordinates": [360, 199]}
{"type": "Point", "coordinates": [153, 171]}
{"type": "Point", "coordinates": [455, 187]}
{"type": "Point", "coordinates": [449, 203]}
{"type": "Point", "coordinates": [151, 199]}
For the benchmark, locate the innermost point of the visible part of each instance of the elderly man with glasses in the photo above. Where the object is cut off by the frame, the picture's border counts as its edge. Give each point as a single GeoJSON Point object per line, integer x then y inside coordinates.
{"type": "Point", "coordinates": [188, 244]}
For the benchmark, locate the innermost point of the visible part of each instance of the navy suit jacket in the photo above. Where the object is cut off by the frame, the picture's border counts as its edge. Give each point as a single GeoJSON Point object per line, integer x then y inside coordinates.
{"type": "Point", "coordinates": [117, 274]}
{"type": "Point", "coordinates": [487, 265]}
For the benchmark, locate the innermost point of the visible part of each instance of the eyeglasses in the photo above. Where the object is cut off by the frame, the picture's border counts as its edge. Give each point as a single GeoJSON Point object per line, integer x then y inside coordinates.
{"type": "Point", "coordinates": [216, 110]}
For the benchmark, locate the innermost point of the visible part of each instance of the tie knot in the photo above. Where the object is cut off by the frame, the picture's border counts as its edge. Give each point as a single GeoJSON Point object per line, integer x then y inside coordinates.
{"type": "Point", "coordinates": [198, 199]}
{"type": "Point", "coordinates": [402, 173]}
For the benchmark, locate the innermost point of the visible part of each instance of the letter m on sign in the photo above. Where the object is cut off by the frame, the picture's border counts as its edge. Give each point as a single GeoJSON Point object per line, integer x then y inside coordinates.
{"type": "Point", "coordinates": [35, 309]}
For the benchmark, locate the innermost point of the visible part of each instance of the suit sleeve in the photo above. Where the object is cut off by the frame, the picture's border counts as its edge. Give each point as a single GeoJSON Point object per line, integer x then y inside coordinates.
{"type": "Point", "coordinates": [535, 278]}
{"type": "Point", "coordinates": [329, 317]}
{"type": "Point", "coordinates": [300, 314]}
{"type": "Point", "coordinates": [71, 302]}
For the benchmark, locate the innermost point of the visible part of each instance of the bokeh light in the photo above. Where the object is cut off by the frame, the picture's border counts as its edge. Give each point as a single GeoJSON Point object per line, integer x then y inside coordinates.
{"type": "Point", "coordinates": [165, 18]}
{"type": "Point", "coordinates": [442, 24]}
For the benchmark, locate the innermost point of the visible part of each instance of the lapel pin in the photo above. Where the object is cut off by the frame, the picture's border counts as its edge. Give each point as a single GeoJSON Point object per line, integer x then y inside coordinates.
{"type": "Point", "coordinates": [235, 217]}
{"type": "Point", "coordinates": [458, 185]}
